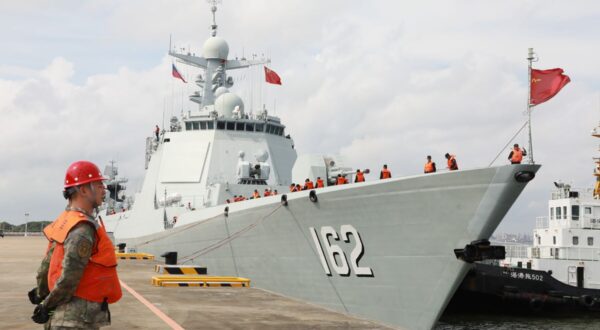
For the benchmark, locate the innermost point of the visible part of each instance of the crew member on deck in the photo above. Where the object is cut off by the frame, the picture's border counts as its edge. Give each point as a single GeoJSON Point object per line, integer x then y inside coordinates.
{"type": "Point", "coordinates": [256, 194]}
{"type": "Point", "coordinates": [320, 183]}
{"type": "Point", "coordinates": [308, 184]}
{"type": "Point", "coordinates": [385, 173]}
{"type": "Point", "coordinates": [156, 132]}
{"type": "Point", "coordinates": [360, 176]}
{"type": "Point", "coordinates": [452, 165]}
{"type": "Point", "coordinates": [516, 154]}
{"type": "Point", "coordinates": [430, 166]}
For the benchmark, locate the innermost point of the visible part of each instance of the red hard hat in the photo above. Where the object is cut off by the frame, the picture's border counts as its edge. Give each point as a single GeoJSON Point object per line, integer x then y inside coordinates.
{"type": "Point", "coordinates": [82, 172]}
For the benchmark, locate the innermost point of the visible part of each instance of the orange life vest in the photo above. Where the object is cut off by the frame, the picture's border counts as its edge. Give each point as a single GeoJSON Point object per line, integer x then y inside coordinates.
{"type": "Point", "coordinates": [309, 185]}
{"type": "Point", "coordinates": [320, 183]}
{"type": "Point", "coordinates": [429, 167]}
{"type": "Point", "coordinates": [360, 177]}
{"type": "Point", "coordinates": [341, 180]}
{"type": "Point", "coordinates": [386, 174]}
{"type": "Point", "coordinates": [256, 194]}
{"type": "Point", "coordinates": [452, 165]}
{"type": "Point", "coordinates": [517, 156]}
{"type": "Point", "coordinates": [267, 193]}
{"type": "Point", "coordinates": [99, 281]}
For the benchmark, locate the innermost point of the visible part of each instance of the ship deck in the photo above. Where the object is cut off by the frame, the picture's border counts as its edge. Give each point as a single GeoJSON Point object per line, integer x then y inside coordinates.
{"type": "Point", "coordinates": [186, 307]}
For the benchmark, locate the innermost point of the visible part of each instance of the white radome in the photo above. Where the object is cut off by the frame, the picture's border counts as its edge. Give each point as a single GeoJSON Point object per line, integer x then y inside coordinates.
{"type": "Point", "coordinates": [220, 91]}
{"type": "Point", "coordinates": [226, 103]}
{"type": "Point", "coordinates": [216, 47]}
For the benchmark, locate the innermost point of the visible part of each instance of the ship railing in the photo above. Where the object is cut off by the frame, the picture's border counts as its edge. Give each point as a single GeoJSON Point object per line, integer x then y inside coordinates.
{"type": "Point", "coordinates": [516, 251]}
{"type": "Point", "coordinates": [567, 253]}
{"type": "Point", "coordinates": [541, 222]}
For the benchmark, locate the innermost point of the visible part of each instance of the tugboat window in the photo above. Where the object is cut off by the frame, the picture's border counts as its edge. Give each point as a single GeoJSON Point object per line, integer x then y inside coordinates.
{"type": "Point", "coordinates": [575, 240]}
{"type": "Point", "coordinates": [551, 213]}
{"type": "Point", "coordinates": [558, 216]}
{"type": "Point", "coordinates": [564, 212]}
{"type": "Point", "coordinates": [202, 125]}
{"type": "Point", "coordinates": [590, 241]}
{"type": "Point", "coordinates": [210, 125]}
{"type": "Point", "coordinates": [575, 212]}
{"type": "Point", "coordinates": [220, 125]}
{"type": "Point", "coordinates": [230, 126]}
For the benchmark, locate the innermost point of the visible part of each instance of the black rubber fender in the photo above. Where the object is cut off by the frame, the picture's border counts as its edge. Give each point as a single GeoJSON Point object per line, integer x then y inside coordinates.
{"type": "Point", "coordinates": [313, 196]}
{"type": "Point", "coordinates": [226, 211]}
{"type": "Point", "coordinates": [284, 201]}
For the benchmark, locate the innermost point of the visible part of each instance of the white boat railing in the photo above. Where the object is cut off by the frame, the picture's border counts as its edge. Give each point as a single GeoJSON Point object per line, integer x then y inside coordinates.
{"type": "Point", "coordinates": [541, 222]}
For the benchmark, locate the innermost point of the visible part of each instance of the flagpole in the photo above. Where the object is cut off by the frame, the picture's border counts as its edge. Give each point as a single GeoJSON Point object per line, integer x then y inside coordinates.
{"type": "Point", "coordinates": [530, 58]}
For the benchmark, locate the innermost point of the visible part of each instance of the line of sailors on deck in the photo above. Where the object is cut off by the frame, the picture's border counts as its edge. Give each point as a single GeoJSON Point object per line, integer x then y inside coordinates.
{"type": "Point", "coordinates": [515, 157]}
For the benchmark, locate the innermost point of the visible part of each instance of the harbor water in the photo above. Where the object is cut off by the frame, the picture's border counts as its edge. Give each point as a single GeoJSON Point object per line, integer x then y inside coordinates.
{"type": "Point", "coordinates": [511, 322]}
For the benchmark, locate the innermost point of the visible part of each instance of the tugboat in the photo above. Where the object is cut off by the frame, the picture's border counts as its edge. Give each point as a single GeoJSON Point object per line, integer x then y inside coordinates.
{"type": "Point", "coordinates": [382, 250]}
{"type": "Point", "coordinates": [560, 272]}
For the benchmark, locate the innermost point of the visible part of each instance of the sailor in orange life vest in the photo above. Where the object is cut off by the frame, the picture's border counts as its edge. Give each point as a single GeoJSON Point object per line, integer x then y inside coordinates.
{"type": "Point", "coordinates": [360, 176]}
{"type": "Point", "coordinates": [516, 155]}
{"type": "Point", "coordinates": [77, 278]}
{"type": "Point", "coordinates": [452, 165]}
{"type": "Point", "coordinates": [385, 173]}
{"type": "Point", "coordinates": [430, 166]}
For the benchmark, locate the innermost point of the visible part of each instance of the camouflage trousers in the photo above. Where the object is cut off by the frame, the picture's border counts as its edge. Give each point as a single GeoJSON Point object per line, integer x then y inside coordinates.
{"type": "Point", "coordinates": [78, 314]}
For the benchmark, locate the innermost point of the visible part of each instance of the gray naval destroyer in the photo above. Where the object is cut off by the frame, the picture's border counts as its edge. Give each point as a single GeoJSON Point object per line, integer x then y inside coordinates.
{"type": "Point", "coordinates": [381, 250]}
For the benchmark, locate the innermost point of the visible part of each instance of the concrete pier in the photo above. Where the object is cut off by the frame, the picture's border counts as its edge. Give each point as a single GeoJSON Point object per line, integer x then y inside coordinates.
{"type": "Point", "coordinates": [190, 308]}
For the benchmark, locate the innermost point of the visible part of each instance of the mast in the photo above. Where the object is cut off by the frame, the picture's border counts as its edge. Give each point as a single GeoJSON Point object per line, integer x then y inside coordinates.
{"type": "Point", "coordinates": [530, 58]}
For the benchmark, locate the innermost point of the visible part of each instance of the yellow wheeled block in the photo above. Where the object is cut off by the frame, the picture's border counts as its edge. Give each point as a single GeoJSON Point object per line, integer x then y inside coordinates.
{"type": "Point", "coordinates": [201, 281]}
{"type": "Point", "coordinates": [144, 256]}
{"type": "Point", "coordinates": [180, 269]}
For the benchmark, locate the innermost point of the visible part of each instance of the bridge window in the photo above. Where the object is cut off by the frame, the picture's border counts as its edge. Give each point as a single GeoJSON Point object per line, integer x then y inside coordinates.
{"type": "Point", "coordinates": [558, 216]}
{"type": "Point", "coordinates": [575, 212]}
{"type": "Point", "coordinates": [202, 125]}
{"type": "Point", "coordinates": [539, 239]}
{"type": "Point", "coordinates": [259, 127]}
{"type": "Point", "coordinates": [210, 125]}
{"type": "Point", "coordinates": [230, 126]}
{"type": "Point", "coordinates": [564, 212]}
{"type": "Point", "coordinates": [195, 125]}
{"type": "Point", "coordinates": [220, 125]}
{"type": "Point", "coordinates": [249, 127]}
{"type": "Point", "coordinates": [188, 126]}
{"type": "Point", "coordinates": [551, 213]}
{"type": "Point", "coordinates": [554, 240]}
{"type": "Point", "coordinates": [575, 240]}
{"type": "Point", "coordinates": [590, 241]}
{"type": "Point", "coordinates": [239, 126]}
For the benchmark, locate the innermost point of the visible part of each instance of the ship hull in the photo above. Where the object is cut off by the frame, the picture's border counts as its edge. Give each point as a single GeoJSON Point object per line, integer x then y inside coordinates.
{"type": "Point", "coordinates": [395, 237]}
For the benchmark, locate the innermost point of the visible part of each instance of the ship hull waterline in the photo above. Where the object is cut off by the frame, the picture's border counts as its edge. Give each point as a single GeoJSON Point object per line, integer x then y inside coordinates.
{"type": "Point", "coordinates": [381, 250]}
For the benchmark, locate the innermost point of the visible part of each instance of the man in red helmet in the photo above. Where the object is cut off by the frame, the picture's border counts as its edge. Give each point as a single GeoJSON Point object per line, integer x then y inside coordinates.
{"type": "Point", "coordinates": [77, 278]}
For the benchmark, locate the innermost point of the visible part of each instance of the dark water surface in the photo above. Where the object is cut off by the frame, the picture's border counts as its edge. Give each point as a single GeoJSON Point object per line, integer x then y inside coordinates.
{"type": "Point", "coordinates": [511, 322]}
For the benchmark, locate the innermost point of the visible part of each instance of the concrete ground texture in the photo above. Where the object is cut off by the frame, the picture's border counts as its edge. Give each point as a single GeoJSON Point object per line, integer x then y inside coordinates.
{"type": "Point", "coordinates": [188, 307]}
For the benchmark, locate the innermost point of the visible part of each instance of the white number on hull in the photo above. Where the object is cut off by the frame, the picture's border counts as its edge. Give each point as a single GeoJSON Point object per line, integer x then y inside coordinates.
{"type": "Point", "coordinates": [333, 249]}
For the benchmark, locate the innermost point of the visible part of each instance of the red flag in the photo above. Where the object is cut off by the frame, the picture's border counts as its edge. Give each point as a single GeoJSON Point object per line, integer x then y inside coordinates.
{"type": "Point", "coordinates": [546, 83]}
{"type": "Point", "coordinates": [272, 77]}
{"type": "Point", "coordinates": [176, 74]}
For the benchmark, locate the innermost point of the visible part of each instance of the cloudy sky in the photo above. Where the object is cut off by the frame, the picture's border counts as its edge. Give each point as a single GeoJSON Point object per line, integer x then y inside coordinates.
{"type": "Point", "coordinates": [377, 81]}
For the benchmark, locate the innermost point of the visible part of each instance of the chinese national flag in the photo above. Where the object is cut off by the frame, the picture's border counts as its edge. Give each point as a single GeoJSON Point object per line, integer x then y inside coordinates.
{"type": "Point", "coordinates": [272, 77]}
{"type": "Point", "coordinates": [546, 83]}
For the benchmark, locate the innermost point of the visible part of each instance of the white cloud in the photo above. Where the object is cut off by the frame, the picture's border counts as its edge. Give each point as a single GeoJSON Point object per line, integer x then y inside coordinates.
{"type": "Point", "coordinates": [379, 82]}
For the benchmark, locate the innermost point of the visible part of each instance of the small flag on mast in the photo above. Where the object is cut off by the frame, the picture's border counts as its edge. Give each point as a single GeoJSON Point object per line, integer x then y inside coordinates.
{"type": "Point", "coordinates": [176, 74]}
{"type": "Point", "coordinates": [272, 77]}
{"type": "Point", "coordinates": [546, 83]}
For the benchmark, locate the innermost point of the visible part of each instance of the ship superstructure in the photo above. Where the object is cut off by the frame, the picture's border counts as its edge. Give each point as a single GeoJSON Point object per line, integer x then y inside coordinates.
{"type": "Point", "coordinates": [383, 250]}
{"type": "Point", "coordinates": [566, 241]}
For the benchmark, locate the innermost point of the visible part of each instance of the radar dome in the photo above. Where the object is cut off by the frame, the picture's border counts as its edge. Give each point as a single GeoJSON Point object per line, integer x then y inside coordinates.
{"type": "Point", "coordinates": [220, 91]}
{"type": "Point", "coordinates": [216, 47]}
{"type": "Point", "coordinates": [261, 155]}
{"type": "Point", "coordinates": [226, 103]}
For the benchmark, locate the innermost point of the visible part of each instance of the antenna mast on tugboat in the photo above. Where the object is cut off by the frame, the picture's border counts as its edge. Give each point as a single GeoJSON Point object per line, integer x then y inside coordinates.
{"type": "Point", "coordinates": [531, 58]}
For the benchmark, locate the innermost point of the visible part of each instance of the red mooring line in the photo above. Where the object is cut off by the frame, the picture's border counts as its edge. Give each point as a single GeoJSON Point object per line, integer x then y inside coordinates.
{"type": "Point", "coordinates": [169, 321]}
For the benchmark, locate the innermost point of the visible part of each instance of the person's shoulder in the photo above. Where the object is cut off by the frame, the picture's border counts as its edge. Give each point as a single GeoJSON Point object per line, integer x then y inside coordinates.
{"type": "Point", "coordinates": [85, 229]}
